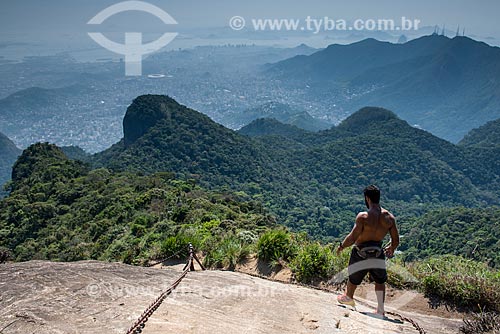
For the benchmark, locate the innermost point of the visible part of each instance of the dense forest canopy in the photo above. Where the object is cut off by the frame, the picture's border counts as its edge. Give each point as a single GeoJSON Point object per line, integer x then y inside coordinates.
{"type": "Point", "coordinates": [146, 186]}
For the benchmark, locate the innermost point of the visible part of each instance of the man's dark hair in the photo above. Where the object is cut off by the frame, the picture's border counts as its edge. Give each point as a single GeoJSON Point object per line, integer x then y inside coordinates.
{"type": "Point", "coordinates": [373, 193]}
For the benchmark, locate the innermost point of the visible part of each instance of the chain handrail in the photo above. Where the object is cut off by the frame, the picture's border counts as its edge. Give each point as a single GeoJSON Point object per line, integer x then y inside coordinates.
{"type": "Point", "coordinates": [140, 323]}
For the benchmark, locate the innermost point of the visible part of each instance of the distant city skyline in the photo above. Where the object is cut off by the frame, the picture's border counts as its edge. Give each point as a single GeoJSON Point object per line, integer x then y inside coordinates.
{"type": "Point", "coordinates": [477, 17]}
{"type": "Point", "coordinates": [55, 26]}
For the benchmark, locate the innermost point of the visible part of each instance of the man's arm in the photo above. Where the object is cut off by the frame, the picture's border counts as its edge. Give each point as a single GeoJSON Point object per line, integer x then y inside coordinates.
{"type": "Point", "coordinates": [389, 251]}
{"type": "Point", "coordinates": [355, 233]}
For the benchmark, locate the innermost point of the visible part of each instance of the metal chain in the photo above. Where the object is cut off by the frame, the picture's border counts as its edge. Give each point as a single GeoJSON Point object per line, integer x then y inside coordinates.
{"type": "Point", "coordinates": [139, 325]}
{"type": "Point", "coordinates": [164, 260]}
{"type": "Point", "coordinates": [411, 321]}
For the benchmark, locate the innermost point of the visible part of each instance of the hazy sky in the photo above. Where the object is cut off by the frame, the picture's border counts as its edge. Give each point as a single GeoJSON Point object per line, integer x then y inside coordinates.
{"type": "Point", "coordinates": [479, 17]}
{"type": "Point", "coordinates": [45, 27]}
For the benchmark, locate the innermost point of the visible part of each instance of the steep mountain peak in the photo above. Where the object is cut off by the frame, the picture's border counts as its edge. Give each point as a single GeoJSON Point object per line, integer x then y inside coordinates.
{"type": "Point", "coordinates": [32, 155]}
{"type": "Point", "coordinates": [160, 134]}
{"type": "Point", "coordinates": [367, 117]}
{"type": "Point", "coordinates": [43, 162]}
{"type": "Point", "coordinates": [145, 112]}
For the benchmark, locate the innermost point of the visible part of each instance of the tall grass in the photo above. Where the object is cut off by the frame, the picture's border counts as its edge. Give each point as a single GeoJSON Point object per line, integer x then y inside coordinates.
{"type": "Point", "coordinates": [275, 245]}
{"type": "Point", "coordinates": [227, 253]}
{"type": "Point", "coordinates": [461, 282]}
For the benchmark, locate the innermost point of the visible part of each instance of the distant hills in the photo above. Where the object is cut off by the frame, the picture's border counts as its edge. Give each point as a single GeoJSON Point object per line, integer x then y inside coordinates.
{"type": "Point", "coordinates": [311, 181]}
{"type": "Point", "coordinates": [269, 127]}
{"type": "Point", "coordinates": [28, 102]}
{"type": "Point", "coordinates": [446, 86]}
{"type": "Point", "coordinates": [150, 185]}
{"type": "Point", "coordinates": [486, 136]}
{"type": "Point", "coordinates": [279, 111]}
{"type": "Point", "coordinates": [162, 135]}
{"type": "Point", "coordinates": [8, 155]}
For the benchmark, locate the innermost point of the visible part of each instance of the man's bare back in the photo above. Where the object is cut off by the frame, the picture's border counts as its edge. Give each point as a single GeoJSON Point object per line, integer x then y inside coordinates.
{"type": "Point", "coordinates": [376, 223]}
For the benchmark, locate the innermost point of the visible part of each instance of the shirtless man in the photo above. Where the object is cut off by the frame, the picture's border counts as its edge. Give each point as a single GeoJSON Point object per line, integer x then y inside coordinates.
{"type": "Point", "coordinates": [367, 255]}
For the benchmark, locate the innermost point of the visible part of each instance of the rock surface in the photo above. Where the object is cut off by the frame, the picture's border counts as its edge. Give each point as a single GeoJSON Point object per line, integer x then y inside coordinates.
{"type": "Point", "coordinates": [96, 297]}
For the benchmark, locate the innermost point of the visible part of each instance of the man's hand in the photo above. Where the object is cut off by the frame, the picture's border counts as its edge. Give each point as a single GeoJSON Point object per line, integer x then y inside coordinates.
{"type": "Point", "coordinates": [389, 251]}
{"type": "Point", "coordinates": [339, 249]}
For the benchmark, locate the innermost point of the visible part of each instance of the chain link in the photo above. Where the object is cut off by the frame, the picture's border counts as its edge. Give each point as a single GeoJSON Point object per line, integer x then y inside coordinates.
{"type": "Point", "coordinates": [165, 259]}
{"type": "Point", "coordinates": [139, 325]}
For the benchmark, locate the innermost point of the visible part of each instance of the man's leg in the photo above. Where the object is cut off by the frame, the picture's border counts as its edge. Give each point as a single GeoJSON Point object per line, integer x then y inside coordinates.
{"type": "Point", "coordinates": [351, 288]}
{"type": "Point", "coordinates": [348, 297]}
{"type": "Point", "coordinates": [380, 292]}
{"type": "Point", "coordinates": [355, 278]}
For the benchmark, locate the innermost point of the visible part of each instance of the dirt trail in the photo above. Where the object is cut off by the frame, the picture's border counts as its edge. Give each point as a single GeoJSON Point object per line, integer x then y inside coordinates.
{"type": "Point", "coordinates": [96, 297]}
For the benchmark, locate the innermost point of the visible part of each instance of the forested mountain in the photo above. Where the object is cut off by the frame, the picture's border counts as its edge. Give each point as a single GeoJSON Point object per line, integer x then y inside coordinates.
{"type": "Point", "coordinates": [486, 136]}
{"type": "Point", "coordinates": [8, 155]}
{"type": "Point", "coordinates": [446, 86]}
{"type": "Point", "coordinates": [312, 182]}
{"type": "Point", "coordinates": [279, 111]}
{"type": "Point", "coordinates": [75, 153]}
{"type": "Point", "coordinates": [162, 135]}
{"type": "Point", "coordinates": [472, 233]}
{"type": "Point", "coordinates": [59, 209]}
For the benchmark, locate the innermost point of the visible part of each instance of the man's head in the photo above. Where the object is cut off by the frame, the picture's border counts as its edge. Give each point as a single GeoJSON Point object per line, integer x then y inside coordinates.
{"type": "Point", "coordinates": [372, 194]}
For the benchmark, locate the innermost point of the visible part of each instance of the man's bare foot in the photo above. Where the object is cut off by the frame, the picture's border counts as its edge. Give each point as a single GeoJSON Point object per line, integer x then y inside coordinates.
{"type": "Point", "coordinates": [378, 315]}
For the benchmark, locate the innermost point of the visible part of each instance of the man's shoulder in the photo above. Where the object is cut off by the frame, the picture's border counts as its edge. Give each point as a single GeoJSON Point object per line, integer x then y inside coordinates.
{"type": "Point", "coordinates": [388, 214]}
{"type": "Point", "coordinates": [362, 215]}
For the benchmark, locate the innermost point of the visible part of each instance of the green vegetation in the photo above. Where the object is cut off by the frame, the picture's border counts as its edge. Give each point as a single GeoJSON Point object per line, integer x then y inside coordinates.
{"type": "Point", "coordinates": [179, 178]}
{"type": "Point", "coordinates": [310, 181]}
{"type": "Point", "coordinates": [471, 233]}
{"type": "Point", "coordinates": [486, 136]}
{"type": "Point", "coordinates": [60, 210]}
{"type": "Point", "coordinates": [313, 261]}
{"type": "Point", "coordinates": [461, 282]}
{"type": "Point", "coordinates": [274, 245]}
{"type": "Point", "coordinates": [228, 252]}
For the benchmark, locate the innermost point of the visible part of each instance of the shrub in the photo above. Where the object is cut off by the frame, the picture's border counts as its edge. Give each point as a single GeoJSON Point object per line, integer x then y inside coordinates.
{"type": "Point", "coordinates": [227, 253]}
{"type": "Point", "coordinates": [461, 282]}
{"type": "Point", "coordinates": [175, 244]}
{"type": "Point", "coordinates": [312, 262]}
{"type": "Point", "coordinates": [398, 276]}
{"type": "Point", "coordinates": [274, 245]}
